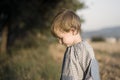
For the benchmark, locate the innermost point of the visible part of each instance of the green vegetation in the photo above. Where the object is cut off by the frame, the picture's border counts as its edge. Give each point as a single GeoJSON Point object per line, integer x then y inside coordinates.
{"type": "Point", "coordinates": [34, 63]}
{"type": "Point", "coordinates": [20, 17]}
{"type": "Point", "coordinates": [24, 53]}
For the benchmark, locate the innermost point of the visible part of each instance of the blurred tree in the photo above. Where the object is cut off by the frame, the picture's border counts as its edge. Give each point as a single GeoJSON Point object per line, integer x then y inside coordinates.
{"type": "Point", "coordinates": [18, 17]}
{"type": "Point", "coordinates": [7, 10]}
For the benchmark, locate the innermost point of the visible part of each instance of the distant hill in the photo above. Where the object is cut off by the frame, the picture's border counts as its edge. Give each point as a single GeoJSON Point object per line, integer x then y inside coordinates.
{"type": "Point", "coordinates": [106, 32]}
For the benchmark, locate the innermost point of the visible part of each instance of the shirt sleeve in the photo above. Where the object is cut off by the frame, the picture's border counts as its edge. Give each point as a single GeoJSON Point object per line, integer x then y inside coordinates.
{"type": "Point", "coordinates": [95, 70]}
{"type": "Point", "coordinates": [91, 68]}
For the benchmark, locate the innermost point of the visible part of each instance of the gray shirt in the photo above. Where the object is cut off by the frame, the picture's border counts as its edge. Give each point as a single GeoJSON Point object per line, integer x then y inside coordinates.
{"type": "Point", "coordinates": [79, 63]}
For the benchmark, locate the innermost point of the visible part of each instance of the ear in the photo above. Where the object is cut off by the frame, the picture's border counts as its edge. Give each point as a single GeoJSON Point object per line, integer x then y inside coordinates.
{"type": "Point", "coordinates": [73, 31]}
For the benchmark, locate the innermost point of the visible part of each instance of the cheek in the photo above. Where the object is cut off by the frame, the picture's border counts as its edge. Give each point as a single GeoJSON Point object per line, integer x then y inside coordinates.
{"type": "Point", "coordinates": [68, 40]}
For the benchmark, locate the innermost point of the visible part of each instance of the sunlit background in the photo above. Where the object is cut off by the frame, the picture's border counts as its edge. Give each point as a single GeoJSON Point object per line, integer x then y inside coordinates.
{"type": "Point", "coordinates": [100, 14]}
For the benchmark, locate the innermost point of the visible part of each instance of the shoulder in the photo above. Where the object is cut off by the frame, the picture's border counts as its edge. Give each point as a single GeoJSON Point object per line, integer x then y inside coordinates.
{"type": "Point", "coordinates": [84, 48]}
{"type": "Point", "coordinates": [89, 49]}
{"type": "Point", "coordinates": [84, 52]}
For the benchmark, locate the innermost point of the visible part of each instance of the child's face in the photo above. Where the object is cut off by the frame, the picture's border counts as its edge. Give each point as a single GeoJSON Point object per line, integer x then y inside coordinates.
{"type": "Point", "coordinates": [65, 38]}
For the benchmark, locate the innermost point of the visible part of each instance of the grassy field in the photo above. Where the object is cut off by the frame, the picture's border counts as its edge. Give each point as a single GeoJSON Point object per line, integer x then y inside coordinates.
{"type": "Point", "coordinates": [29, 63]}
{"type": "Point", "coordinates": [43, 61]}
{"type": "Point", "coordinates": [107, 54]}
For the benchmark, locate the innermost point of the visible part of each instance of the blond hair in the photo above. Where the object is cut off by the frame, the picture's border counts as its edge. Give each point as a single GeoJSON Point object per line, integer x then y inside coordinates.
{"type": "Point", "coordinates": [64, 21]}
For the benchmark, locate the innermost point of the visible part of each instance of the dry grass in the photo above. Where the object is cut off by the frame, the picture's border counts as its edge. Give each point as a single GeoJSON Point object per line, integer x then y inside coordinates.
{"type": "Point", "coordinates": [107, 54]}
{"type": "Point", "coordinates": [57, 51]}
{"type": "Point", "coordinates": [106, 47]}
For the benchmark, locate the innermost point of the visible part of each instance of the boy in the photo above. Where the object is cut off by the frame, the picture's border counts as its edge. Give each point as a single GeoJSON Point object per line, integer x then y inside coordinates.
{"type": "Point", "coordinates": [79, 62]}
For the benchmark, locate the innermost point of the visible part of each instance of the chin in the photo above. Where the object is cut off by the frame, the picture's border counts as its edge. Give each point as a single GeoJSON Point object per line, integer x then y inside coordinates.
{"type": "Point", "coordinates": [68, 45]}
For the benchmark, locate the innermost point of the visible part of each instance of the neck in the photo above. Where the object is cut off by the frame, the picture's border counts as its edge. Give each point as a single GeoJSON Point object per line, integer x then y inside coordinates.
{"type": "Point", "coordinates": [77, 39]}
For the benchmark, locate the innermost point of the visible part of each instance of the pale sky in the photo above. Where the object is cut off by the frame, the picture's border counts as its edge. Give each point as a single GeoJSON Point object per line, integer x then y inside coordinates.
{"type": "Point", "coordinates": [100, 14]}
